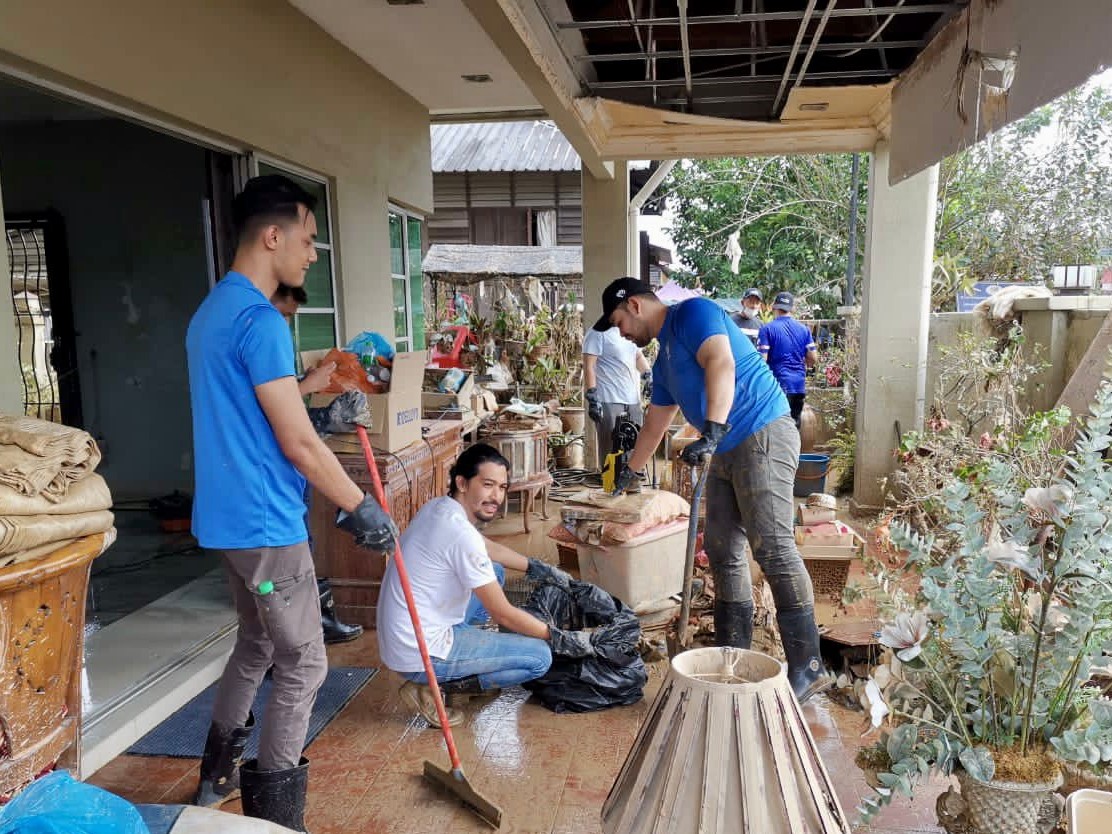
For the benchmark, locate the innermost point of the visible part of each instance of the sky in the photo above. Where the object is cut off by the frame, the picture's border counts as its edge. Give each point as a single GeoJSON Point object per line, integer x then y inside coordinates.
{"type": "Point", "coordinates": [657, 225]}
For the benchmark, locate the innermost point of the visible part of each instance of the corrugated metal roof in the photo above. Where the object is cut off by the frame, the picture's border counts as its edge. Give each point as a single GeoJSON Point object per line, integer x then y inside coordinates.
{"type": "Point", "coordinates": [469, 264]}
{"type": "Point", "coordinates": [501, 146]}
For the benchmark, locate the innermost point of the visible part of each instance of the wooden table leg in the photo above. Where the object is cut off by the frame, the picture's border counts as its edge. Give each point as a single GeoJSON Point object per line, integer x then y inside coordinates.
{"type": "Point", "coordinates": [527, 506]}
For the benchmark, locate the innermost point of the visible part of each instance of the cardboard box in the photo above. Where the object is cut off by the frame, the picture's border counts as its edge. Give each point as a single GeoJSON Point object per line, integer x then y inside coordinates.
{"type": "Point", "coordinates": [437, 405]}
{"type": "Point", "coordinates": [395, 415]}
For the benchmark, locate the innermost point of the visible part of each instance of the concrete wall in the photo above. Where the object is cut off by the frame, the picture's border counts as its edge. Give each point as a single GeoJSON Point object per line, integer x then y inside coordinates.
{"type": "Point", "coordinates": [131, 202]}
{"type": "Point", "coordinates": [1059, 45]}
{"type": "Point", "coordinates": [1061, 329]}
{"type": "Point", "coordinates": [261, 75]}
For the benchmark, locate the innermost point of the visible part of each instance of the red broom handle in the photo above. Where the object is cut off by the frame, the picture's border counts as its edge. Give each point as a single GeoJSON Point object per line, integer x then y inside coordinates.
{"type": "Point", "coordinates": [403, 577]}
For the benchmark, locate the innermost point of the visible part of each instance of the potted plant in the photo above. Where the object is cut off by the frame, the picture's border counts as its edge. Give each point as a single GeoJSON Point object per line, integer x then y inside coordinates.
{"type": "Point", "coordinates": [989, 678]}
{"type": "Point", "coordinates": [567, 449]}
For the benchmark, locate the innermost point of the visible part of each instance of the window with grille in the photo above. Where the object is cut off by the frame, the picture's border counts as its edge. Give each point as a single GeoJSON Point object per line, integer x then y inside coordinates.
{"type": "Point", "coordinates": [31, 299]}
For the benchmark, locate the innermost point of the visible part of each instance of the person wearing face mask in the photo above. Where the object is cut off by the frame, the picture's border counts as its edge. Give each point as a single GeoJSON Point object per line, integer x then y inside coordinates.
{"type": "Point", "coordinates": [457, 575]}
{"type": "Point", "coordinates": [748, 318]}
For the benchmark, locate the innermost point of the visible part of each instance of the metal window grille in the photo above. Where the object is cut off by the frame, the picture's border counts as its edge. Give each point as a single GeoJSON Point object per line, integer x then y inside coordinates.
{"type": "Point", "coordinates": [31, 300]}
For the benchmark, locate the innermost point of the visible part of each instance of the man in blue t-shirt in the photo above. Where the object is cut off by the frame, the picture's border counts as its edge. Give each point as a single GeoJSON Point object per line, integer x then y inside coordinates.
{"type": "Point", "coordinates": [788, 348]}
{"type": "Point", "coordinates": [710, 371]}
{"type": "Point", "coordinates": [254, 447]}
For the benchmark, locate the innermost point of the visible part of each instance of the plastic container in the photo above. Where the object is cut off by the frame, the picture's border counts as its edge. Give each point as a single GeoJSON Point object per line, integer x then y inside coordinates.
{"type": "Point", "coordinates": [811, 475]}
{"type": "Point", "coordinates": [1089, 811]}
{"type": "Point", "coordinates": [642, 571]}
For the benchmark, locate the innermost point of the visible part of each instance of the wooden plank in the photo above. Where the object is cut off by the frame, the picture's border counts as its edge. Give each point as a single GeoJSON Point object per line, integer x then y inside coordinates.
{"type": "Point", "coordinates": [1082, 387]}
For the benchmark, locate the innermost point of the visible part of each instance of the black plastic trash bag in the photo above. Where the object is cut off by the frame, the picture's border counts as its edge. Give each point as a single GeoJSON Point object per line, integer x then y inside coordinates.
{"type": "Point", "coordinates": [615, 675]}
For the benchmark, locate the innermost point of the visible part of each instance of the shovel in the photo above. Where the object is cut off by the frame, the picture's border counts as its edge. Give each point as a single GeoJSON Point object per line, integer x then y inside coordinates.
{"type": "Point", "coordinates": [454, 781]}
{"type": "Point", "coordinates": [679, 640]}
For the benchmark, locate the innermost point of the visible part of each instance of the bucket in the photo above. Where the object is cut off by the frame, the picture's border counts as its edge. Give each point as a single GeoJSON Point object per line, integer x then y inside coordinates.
{"type": "Point", "coordinates": [811, 475]}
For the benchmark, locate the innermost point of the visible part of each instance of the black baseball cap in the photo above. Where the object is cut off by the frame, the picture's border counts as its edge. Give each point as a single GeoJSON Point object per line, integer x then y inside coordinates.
{"type": "Point", "coordinates": [752, 292]}
{"type": "Point", "coordinates": [784, 301]}
{"type": "Point", "coordinates": [616, 294]}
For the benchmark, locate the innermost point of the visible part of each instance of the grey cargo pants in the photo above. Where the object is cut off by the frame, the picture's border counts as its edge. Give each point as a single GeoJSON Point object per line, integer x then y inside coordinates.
{"type": "Point", "coordinates": [749, 495]}
{"type": "Point", "coordinates": [280, 628]}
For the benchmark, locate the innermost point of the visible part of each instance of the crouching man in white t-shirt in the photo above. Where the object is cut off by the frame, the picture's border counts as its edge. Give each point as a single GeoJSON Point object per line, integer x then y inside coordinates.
{"type": "Point", "coordinates": [457, 577]}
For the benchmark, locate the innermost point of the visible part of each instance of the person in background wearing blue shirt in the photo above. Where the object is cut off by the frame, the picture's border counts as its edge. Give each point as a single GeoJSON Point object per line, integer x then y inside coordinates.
{"type": "Point", "coordinates": [710, 371]}
{"type": "Point", "coordinates": [788, 348]}
{"type": "Point", "coordinates": [254, 447]}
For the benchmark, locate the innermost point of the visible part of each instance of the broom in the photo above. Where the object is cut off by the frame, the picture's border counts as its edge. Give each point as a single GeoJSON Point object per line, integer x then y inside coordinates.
{"type": "Point", "coordinates": [454, 781]}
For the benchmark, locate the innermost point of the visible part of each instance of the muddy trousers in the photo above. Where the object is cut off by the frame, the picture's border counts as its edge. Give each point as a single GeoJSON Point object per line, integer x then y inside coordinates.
{"type": "Point", "coordinates": [749, 496]}
{"type": "Point", "coordinates": [280, 628]}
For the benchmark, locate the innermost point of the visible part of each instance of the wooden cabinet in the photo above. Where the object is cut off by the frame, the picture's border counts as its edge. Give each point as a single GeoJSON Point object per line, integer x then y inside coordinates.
{"type": "Point", "coordinates": [410, 477]}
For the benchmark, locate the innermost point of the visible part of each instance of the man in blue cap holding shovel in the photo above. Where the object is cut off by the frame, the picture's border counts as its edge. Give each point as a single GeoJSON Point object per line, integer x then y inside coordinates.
{"type": "Point", "coordinates": [713, 373]}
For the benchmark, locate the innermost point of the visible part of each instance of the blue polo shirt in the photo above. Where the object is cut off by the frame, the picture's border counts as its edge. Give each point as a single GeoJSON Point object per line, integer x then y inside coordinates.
{"type": "Point", "coordinates": [678, 379]}
{"type": "Point", "coordinates": [786, 342]}
{"type": "Point", "coordinates": [247, 493]}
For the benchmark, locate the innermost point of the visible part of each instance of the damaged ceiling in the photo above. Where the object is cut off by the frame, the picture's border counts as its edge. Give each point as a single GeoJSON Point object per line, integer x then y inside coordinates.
{"type": "Point", "coordinates": [738, 59]}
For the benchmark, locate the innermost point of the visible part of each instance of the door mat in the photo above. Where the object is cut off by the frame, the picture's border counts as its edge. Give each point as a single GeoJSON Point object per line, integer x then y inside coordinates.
{"type": "Point", "coordinates": [183, 734]}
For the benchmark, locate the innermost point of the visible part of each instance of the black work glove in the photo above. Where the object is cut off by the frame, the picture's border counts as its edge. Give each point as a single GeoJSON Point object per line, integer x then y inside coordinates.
{"type": "Point", "coordinates": [342, 414]}
{"type": "Point", "coordinates": [647, 384]}
{"type": "Point", "coordinates": [594, 407]}
{"type": "Point", "coordinates": [370, 524]}
{"type": "Point", "coordinates": [572, 644]}
{"type": "Point", "coordinates": [702, 449]}
{"type": "Point", "coordinates": [627, 481]}
{"type": "Point", "coordinates": [546, 573]}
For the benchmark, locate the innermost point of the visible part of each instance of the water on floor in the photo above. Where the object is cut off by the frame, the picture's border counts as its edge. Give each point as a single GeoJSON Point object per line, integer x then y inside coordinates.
{"type": "Point", "coordinates": [549, 773]}
{"type": "Point", "coordinates": [144, 564]}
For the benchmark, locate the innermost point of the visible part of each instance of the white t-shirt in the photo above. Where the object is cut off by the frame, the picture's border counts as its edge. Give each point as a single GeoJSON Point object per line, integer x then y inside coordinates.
{"type": "Point", "coordinates": [616, 375]}
{"type": "Point", "coordinates": [447, 559]}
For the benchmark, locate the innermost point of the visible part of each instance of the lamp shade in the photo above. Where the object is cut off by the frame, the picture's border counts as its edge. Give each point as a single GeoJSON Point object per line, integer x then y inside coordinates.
{"type": "Point", "coordinates": [725, 748]}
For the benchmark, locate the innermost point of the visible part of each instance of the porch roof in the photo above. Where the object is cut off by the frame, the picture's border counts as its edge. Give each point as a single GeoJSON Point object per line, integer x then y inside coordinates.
{"type": "Point", "coordinates": [469, 264]}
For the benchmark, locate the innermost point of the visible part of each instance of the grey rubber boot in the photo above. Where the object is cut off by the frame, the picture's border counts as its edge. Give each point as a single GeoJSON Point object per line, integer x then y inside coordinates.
{"type": "Point", "coordinates": [800, 636]}
{"type": "Point", "coordinates": [220, 764]}
{"type": "Point", "coordinates": [733, 624]}
{"type": "Point", "coordinates": [275, 795]}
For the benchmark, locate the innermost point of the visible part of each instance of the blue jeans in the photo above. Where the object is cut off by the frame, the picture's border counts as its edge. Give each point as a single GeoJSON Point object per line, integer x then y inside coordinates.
{"type": "Point", "coordinates": [497, 659]}
{"type": "Point", "coordinates": [476, 614]}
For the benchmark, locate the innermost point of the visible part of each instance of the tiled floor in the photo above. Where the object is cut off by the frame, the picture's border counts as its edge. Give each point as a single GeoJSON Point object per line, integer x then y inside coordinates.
{"type": "Point", "coordinates": [549, 773]}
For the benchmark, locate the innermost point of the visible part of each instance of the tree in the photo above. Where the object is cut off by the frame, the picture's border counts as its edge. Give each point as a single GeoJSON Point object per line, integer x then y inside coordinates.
{"type": "Point", "coordinates": [1032, 195]}
{"type": "Point", "coordinates": [791, 213]}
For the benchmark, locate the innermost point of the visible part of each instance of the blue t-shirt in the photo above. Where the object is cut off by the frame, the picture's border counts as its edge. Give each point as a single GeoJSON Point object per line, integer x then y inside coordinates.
{"type": "Point", "coordinates": [678, 379]}
{"type": "Point", "coordinates": [785, 341]}
{"type": "Point", "coordinates": [248, 494]}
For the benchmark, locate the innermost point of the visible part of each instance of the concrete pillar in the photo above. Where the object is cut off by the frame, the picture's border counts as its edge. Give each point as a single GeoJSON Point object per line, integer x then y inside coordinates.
{"type": "Point", "coordinates": [1047, 332]}
{"type": "Point", "coordinates": [11, 377]}
{"type": "Point", "coordinates": [605, 248]}
{"type": "Point", "coordinates": [895, 318]}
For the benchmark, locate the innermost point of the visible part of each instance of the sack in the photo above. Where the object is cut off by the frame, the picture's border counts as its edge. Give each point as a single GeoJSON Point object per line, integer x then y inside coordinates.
{"type": "Point", "coordinates": [56, 804]}
{"type": "Point", "coordinates": [615, 675]}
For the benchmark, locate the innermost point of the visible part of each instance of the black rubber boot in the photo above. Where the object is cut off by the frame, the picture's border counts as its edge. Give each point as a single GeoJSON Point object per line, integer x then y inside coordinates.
{"type": "Point", "coordinates": [800, 636]}
{"type": "Point", "coordinates": [335, 631]}
{"type": "Point", "coordinates": [220, 764]}
{"type": "Point", "coordinates": [733, 624]}
{"type": "Point", "coordinates": [275, 795]}
{"type": "Point", "coordinates": [463, 686]}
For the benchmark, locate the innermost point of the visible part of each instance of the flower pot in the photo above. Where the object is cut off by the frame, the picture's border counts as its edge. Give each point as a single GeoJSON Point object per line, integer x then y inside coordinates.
{"type": "Point", "coordinates": [1078, 777]}
{"type": "Point", "coordinates": [999, 807]}
{"type": "Point", "coordinates": [513, 347]}
{"type": "Point", "coordinates": [569, 456]}
{"type": "Point", "coordinates": [573, 419]}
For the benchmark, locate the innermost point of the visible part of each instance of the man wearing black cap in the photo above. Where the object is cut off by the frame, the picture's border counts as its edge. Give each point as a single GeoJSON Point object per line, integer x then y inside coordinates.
{"type": "Point", "coordinates": [788, 348]}
{"type": "Point", "coordinates": [707, 368]}
{"type": "Point", "coordinates": [748, 318]}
